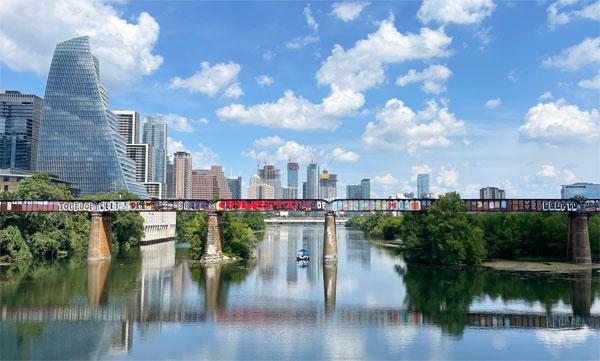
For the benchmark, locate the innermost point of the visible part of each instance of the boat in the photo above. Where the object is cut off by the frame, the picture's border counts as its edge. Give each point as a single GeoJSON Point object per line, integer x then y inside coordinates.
{"type": "Point", "coordinates": [302, 255]}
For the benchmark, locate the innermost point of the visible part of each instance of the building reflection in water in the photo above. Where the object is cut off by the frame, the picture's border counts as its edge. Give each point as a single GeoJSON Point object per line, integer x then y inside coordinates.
{"type": "Point", "coordinates": [292, 249]}
{"type": "Point", "coordinates": [312, 240]}
{"type": "Point", "coordinates": [212, 283]}
{"type": "Point", "coordinates": [358, 250]}
{"type": "Point", "coordinates": [267, 254]}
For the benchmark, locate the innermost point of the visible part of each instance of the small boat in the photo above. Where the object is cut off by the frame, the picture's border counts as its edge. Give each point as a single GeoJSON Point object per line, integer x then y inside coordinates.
{"type": "Point", "coordinates": [302, 255]}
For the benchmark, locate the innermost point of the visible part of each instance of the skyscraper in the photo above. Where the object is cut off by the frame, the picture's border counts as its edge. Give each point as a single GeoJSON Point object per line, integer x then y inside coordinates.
{"type": "Point", "coordinates": [19, 130]}
{"type": "Point", "coordinates": [491, 193]}
{"type": "Point", "coordinates": [271, 175]}
{"type": "Point", "coordinates": [129, 125]}
{"type": "Point", "coordinates": [328, 186]}
{"type": "Point", "coordinates": [353, 191]}
{"type": "Point", "coordinates": [422, 185]}
{"type": "Point", "coordinates": [170, 177]}
{"type": "Point", "coordinates": [235, 187]}
{"type": "Point", "coordinates": [80, 142]}
{"type": "Point", "coordinates": [260, 190]}
{"type": "Point", "coordinates": [365, 188]}
{"type": "Point", "coordinates": [155, 134]}
{"type": "Point", "coordinates": [182, 175]}
{"type": "Point", "coordinates": [142, 155]}
{"type": "Point", "coordinates": [207, 183]}
{"type": "Point", "coordinates": [292, 175]}
{"type": "Point", "coordinates": [312, 181]}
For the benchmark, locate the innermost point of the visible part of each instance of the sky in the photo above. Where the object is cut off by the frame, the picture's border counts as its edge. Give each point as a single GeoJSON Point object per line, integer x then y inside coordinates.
{"type": "Point", "coordinates": [474, 92]}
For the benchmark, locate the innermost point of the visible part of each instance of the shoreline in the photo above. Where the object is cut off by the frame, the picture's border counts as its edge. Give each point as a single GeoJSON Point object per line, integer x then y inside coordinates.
{"type": "Point", "coordinates": [528, 266]}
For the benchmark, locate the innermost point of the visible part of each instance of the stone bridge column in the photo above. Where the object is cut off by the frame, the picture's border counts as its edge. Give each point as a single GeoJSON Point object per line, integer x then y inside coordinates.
{"type": "Point", "coordinates": [578, 242]}
{"type": "Point", "coordinates": [329, 238]}
{"type": "Point", "coordinates": [213, 242]}
{"type": "Point", "coordinates": [100, 244]}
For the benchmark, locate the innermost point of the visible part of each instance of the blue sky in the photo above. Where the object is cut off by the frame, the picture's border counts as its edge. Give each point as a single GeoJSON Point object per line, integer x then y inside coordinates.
{"type": "Point", "coordinates": [474, 92]}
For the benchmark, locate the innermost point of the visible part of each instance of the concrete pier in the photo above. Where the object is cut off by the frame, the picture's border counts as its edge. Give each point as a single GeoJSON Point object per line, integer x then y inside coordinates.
{"type": "Point", "coordinates": [213, 242]}
{"type": "Point", "coordinates": [100, 244]}
{"type": "Point", "coordinates": [578, 242]}
{"type": "Point", "coordinates": [329, 239]}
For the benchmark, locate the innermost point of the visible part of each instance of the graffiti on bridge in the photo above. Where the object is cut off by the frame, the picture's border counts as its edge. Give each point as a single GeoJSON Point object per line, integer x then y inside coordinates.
{"type": "Point", "coordinates": [370, 205]}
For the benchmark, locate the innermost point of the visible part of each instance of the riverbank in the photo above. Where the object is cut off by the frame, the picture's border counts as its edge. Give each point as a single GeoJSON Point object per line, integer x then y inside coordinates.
{"type": "Point", "coordinates": [552, 267]}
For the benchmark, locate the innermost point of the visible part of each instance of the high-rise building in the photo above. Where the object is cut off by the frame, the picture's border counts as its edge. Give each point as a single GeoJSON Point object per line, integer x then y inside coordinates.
{"type": "Point", "coordinates": [182, 175]}
{"type": "Point", "coordinates": [20, 116]}
{"type": "Point", "coordinates": [155, 134]}
{"type": "Point", "coordinates": [491, 193]}
{"type": "Point", "coordinates": [128, 125]}
{"type": "Point", "coordinates": [271, 175]}
{"type": "Point", "coordinates": [304, 190]}
{"type": "Point", "coordinates": [253, 180]}
{"type": "Point", "coordinates": [142, 155]}
{"type": "Point", "coordinates": [289, 192]}
{"type": "Point", "coordinates": [80, 142]}
{"type": "Point", "coordinates": [365, 188]}
{"type": "Point", "coordinates": [312, 181]}
{"type": "Point", "coordinates": [292, 175]}
{"type": "Point", "coordinates": [422, 185]}
{"type": "Point", "coordinates": [261, 191]}
{"type": "Point", "coordinates": [354, 191]}
{"type": "Point", "coordinates": [328, 186]}
{"type": "Point", "coordinates": [154, 189]}
{"type": "Point", "coordinates": [170, 186]}
{"type": "Point", "coordinates": [235, 187]}
{"type": "Point", "coordinates": [207, 183]}
{"type": "Point", "coordinates": [586, 190]}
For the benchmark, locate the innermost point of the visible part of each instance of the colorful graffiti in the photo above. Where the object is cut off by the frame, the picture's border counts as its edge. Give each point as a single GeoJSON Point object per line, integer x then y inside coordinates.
{"type": "Point", "coordinates": [264, 205]}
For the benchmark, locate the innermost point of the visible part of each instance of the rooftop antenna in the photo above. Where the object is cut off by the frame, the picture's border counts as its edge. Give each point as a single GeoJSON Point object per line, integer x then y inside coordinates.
{"type": "Point", "coordinates": [312, 160]}
{"type": "Point", "coordinates": [257, 162]}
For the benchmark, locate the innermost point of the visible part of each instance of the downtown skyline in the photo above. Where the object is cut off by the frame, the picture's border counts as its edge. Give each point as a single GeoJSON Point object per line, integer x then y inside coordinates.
{"type": "Point", "coordinates": [502, 94]}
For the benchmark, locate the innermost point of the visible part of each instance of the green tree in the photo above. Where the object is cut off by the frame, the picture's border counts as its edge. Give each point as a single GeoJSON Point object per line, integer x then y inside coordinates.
{"type": "Point", "coordinates": [12, 246]}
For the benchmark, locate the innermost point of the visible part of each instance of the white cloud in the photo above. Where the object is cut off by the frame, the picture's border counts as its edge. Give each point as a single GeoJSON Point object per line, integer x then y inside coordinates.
{"type": "Point", "coordinates": [362, 67]}
{"type": "Point", "coordinates": [233, 91]}
{"type": "Point", "coordinates": [298, 152]}
{"type": "Point", "coordinates": [433, 78]}
{"type": "Point", "coordinates": [455, 11]}
{"type": "Point", "coordinates": [310, 20]}
{"type": "Point", "coordinates": [300, 42]}
{"type": "Point", "coordinates": [548, 173]}
{"type": "Point", "coordinates": [471, 191]}
{"type": "Point", "coordinates": [387, 179]}
{"type": "Point", "coordinates": [556, 17]}
{"type": "Point", "coordinates": [296, 112]}
{"type": "Point", "coordinates": [348, 10]}
{"type": "Point", "coordinates": [340, 155]}
{"type": "Point", "coordinates": [419, 169]}
{"type": "Point", "coordinates": [209, 80]}
{"type": "Point", "coordinates": [30, 30]}
{"type": "Point", "coordinates": [175, 146]}
{"type": "Point", "coordinates": [493, 103]}
{"type": "Point", "coordinates": [264, 80]}
{"type": "Point", "coordinates": [399, 128]}
{"type": "Point", "coordinates": [576, 56]}
{"type": "Point", "coordinates": [182, 124]}
{"type": "Point", "coordinates": [268, 55]}
{"type": "Point", "coordinates": [447, 177]}
{"type": "Point", "coordinates": [268, 142]}
{"type": "Point", "coordinates": [557, 123]}
{"type": "Point", "coordinates": [593, 83]}
{"type": "Point", "coordinates": [204, 158]}
{"type": "Point", "coordinates": [546, 95]}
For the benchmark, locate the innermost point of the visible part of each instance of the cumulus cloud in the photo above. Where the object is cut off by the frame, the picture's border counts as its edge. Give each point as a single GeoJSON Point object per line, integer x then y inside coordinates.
{"type": "Point", "coordinates": [268, 142]}
{"type": "Point", "coordinates": [362, 67]}
{"type": "Point", "coordinates": [210, 80]}
{"type": "Point", "coordinates": [556, 123]}
{"type": "Point", "coordinates": [593, 83]}
{"type": "Point", "coordinates": [204, 157]}
{"type": "Point", "coordinates": [399, 128]}
{"type": "Point", "coordinates": [297, 152]}
{"type": "Point", "coordinates": [123, 48]}
{"type": "Point", "coordinates": [546, 95]}
{"type": "Point", "coordinates": [348, 10]}
{"type": "Point", "coordinates": [576, 56]}
{"type": "Point", "coordinates": [340, 155]}
{"type": "Point", "coordinates": [419, 169]}
{"type": "Point", "coordinates": [447, 177]}
{"type": "Point", "coordinates": [264, 80]}
{"type": "Point", "coordinates": [557, 17]}
{"type": "Point", "coordinates": [233, 91]}
{"type": "Point", "coordinates": [548, 172]}
{"type": "Point", "coordinates": [175, 146]}
{"type": "Point", "coordinates": [455, 11]}
{"type": "Point", "coordinates": [268, 55]}
{"type": "Point", "coordinates": [433, 78]}
{"type": "Point", "coordinates": [296, 112]}
{"type": "Point", "coordinates": [387, 179]}
{"type": "Point", "coordinates": [493, 103]}
{"type": "Point", "coordinates": [471, 191]}
{"type": "Point", "coordinates": [181, 123]}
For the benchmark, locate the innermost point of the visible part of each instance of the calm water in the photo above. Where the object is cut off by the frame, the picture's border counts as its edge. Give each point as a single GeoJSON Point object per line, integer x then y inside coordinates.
{"type": "Point", "coordinates": [154, 304]}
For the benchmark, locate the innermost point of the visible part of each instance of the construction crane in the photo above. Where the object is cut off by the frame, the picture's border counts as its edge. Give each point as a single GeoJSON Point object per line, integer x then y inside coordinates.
{"type": "Point", "coordinates": [312, 160]}
{"type": "Point", "coordinates": [328, 163]}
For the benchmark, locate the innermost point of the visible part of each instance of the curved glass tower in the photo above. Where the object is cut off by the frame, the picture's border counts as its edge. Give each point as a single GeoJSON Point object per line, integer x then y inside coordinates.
{"type": "Point", "coordinates": [79, 139]}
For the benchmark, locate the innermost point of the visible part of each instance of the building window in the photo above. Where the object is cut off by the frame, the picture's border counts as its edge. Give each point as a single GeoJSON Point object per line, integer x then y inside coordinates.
{"type": "Point", "coordinates": [6, 187]}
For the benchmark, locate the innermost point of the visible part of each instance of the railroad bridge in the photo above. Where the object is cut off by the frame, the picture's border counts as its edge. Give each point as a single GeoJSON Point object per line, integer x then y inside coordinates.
{"type": "Point", "coordinates": [578, 244]}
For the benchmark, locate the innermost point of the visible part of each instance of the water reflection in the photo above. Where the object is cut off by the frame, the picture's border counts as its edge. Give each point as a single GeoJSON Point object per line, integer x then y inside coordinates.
{"type": "Point", "coordinates": [329, 286]}
{"type": "Point", "coordinates": [97, 285]}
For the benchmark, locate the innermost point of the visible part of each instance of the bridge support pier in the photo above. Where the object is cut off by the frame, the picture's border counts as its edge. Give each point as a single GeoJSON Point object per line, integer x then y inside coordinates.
{"type": "Point", "coordinates": [213, 243]}
{"type": "Point", "coordinates": [578, 241]}
{"type": "Point", "coordinates": [100, 244]}
{"type": "Point", "coordinates": [329, 238]}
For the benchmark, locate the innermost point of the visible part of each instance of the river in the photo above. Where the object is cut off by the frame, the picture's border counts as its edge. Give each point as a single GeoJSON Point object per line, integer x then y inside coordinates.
{"type": "Point", "coordinates": [156, 304]}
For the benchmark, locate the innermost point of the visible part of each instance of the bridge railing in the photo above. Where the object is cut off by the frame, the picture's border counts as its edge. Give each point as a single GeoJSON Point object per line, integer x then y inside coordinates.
{"type": "Point", "coordinates": [300, 205]}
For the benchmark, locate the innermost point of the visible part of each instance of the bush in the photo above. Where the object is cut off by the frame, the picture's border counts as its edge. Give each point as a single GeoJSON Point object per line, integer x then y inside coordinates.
{"type": "Point", "coordinates": [12, 246]}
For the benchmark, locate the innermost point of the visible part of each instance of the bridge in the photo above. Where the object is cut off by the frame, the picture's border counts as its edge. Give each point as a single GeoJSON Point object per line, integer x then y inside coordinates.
{"type": "Point", "coordinates": [285, 220]}
{"type": "Point", "coordinates": [578, 244]}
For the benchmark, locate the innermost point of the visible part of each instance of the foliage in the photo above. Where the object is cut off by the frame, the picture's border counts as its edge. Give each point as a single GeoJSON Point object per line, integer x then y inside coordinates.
{"type": "Point", "coordinates": [13, 246]}
{"type": "Point", "coordinates": [377, 225]}
{"type": "Point", "coordinates": [254, 220]}
{"type": "Point", "coordinates": [594, 231]}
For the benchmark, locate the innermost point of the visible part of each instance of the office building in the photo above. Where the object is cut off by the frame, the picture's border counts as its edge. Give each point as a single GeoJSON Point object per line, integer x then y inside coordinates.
{"type": "Point", "coordinates": [354, 191]}
{"type": "Point", "coordinates": [235, 187]}
{"type": "Point", "coordinates": [207, 183]}
{"type": "Point", "coordinates": [586, 190]}
{"type": "Point", "coordinates": [289, 192]}
{"type": "Point", "coordinates": [292, 175]}
{"type": "Point", "coordinates": [154, 189]}
{"type": "Point", "coordinates": [155, 134]}
{"type": "Point", "coordinates": [170, 186]}
{"type": "Point", "coordinates": [422, 185]}
{"type": "Point", "coordinates": [253, 180]}
{"type": "Point", "coordinates": [271, 176]}
{"type": "Point", "coordinates": [261, 191]}
{"type": "Point", "coordinates": [182, 175]}
{"type": "Point", "coordinates": [79, 141]}
{"type": "Point", "coordinates": [328, 186]}
{"type": "Point", "coordinates": [129, 125]}
{"type": "Point", "coordinates": [365, 188]}
{"type": "Point", "coordinates": [304, 190]}
{"type": "Point", "coordinates": [142, 155]}
{"type": "Point", "coordinates": [10, 178]}
{"type": "Point", "coordinates": [20, 116]}
{"type": "Point", "coordinates": [491, 193]}
{"type": "Point", "coordinates": [312, 181]}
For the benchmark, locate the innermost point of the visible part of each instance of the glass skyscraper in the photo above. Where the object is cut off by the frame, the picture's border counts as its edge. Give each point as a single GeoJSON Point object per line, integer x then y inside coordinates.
{"type": "Point", "coordinates": [312, 181]}
{"type": "Point", "coordinates": [79, 139]}
{"type": "Point", "coordinates": [422, 185]}
{"type": "Point", "coordinates": [365, 188]}
{"type": "Point", "coordinates": [155, 134]}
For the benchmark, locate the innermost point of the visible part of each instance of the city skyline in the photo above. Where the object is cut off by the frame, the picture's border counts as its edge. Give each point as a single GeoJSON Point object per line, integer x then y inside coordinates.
{"type": "Point", "coordinates": [487, 103]}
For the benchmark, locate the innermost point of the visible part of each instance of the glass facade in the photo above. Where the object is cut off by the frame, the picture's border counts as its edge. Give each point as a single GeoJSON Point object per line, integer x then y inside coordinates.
{"type": "Point", "coordinates": [422, 185]}
{"type": "Point", "coordinates": [587, 190]}
{"type": "Point", "coordinates": [79, 139]}
{"type": "Point", "coordinates": [19, 130]}
{"type": "Point", "coordinates": [365, 187]}
{"type": "Point", "coordinates": [155, 134]}
{"type": "Point", "coordinates": [292, 176]}
{"type": "Point", "coordinates": [312, 181]}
